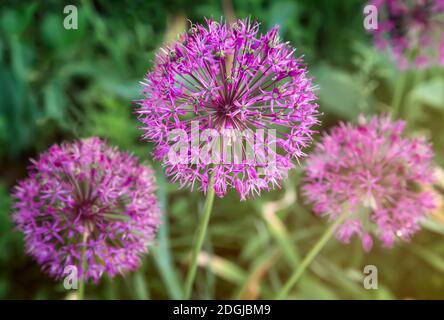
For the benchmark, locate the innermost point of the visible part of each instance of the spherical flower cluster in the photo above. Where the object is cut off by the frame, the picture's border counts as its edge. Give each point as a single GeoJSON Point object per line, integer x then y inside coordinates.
{"type": "Point", "coordinates": [376, 175]}
{"type": "Point", "coordinates": [413, 30]}
{"type": "Point", "coordinates": [87, 204]}
{"type": "Point", "coordinates": [228, 80]}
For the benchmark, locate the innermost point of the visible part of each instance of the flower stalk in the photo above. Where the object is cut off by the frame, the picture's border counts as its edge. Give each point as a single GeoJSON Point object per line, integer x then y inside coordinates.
{"type": "Point", "coordinates": [81, 292]}
{"type": "Point", "coordinates": [201, 232]}
{"type": "Point", "coordinates": [320, 244]}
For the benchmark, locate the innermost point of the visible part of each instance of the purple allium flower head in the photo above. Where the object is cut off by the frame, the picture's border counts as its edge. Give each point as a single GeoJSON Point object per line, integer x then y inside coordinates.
{"type": "Point", "coordinates": [229, 79]}
{"type": "Point", "coordinates": [87, 200]}
{"type": "Point", "coordinates": [413, 30]}
{"type": "Point", "coordinates": [374, 173]}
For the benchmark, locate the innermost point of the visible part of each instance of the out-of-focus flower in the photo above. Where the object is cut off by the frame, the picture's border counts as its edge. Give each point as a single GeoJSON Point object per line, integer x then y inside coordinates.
{"type": "Point", "coordinates": [87, 204]}
{"type": "Point", "coordinates": [413, 30]}
{"type": "Point", "coordinates": [217, 84]}
{"type": "Point", "coordinates": [374, 173]}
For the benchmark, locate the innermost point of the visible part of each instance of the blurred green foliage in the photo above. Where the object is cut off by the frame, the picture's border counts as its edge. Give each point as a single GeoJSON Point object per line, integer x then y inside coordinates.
{"type": "Point", "coordinates": [58, 84]}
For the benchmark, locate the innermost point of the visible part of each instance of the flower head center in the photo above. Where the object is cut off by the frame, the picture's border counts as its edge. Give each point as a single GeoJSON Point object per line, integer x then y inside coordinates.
{"type": "Point", "coordinates": [87, 210]}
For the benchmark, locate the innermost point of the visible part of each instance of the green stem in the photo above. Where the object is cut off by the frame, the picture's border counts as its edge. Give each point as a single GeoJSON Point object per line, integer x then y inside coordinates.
{"type": "Point", "coordinates": [201, 231]}
{"type": "Point", "coordinates": [311, 255]}
{"type": "Point", "coordinates": [418, 77]}
{"type": "Point", "coordinates": [81, 292]}
{"type": "Point", "coordinates": [398, 95]}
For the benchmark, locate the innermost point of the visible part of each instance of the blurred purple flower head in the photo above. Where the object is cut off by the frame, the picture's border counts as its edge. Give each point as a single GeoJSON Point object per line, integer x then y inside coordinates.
{"type": "Point", "coordinates": [229, 80]}
{"type": "Point", "coordinates": [413, 30]}
{"type": "Point", "coordinates": [376, 174]}
{"type": "Point", "coordinates": [89, 200]}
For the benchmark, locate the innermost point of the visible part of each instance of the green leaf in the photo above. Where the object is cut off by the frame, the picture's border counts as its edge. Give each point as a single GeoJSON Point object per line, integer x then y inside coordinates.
{"type": "Point", "coordinates": [140, 285]}
{"type": "Point", "coordinates": [432, 225]}
{"type": "Point", "coordinates": [282, 14]}
{"type": "Point", "coordinates": [162, 253]}
{"type": "Point", "coordinates": [430, 93]}
{"type": "Point", "coordinates": [55, 102]}
{"type": "Point", "coordinates": [431, 257]}
{"type": "Point", "coordinates": [16, 21]}
{"type": "Point", "coordinates": [339, 93]}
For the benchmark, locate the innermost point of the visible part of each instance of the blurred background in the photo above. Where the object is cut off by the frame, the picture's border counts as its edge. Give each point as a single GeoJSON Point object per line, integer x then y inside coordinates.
{"type": "Point", "coordinates": [58, 84]}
